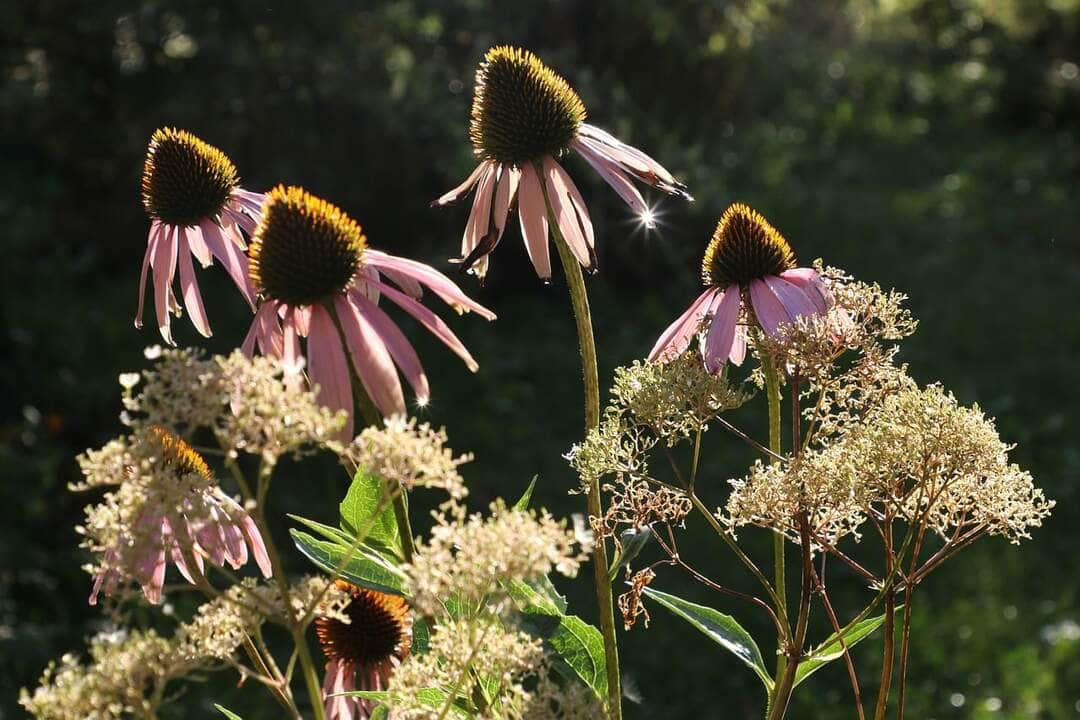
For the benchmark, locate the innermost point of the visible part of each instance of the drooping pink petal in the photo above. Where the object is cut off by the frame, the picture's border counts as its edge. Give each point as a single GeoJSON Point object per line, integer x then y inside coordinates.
{"type": "Point", "coordinates": [190, 288]}
{"type": "Point", "coordinates": [532, 215]}
{"type": "Point", "coordinates": [738, 347]}
{"type": "Point", "coordinates": [720, 340]}
{"type": "Point", "coordinates": [632, 160]}
{"type": "Point", "coordinates": [504, 195]}
{"type": "Point", "coordinates": [612, 174]}
{"type": "Point", "coordinates": [328, 367]}
{"type": "Point", "coordinates": [432, 322]}
{"type": "Point", "coordinates": [401, 350]}
{"type": "Point", "coordinates": [676, 338]}
{"type": "Point", "coordinates": [372, 361]}
{"type": "Point", "coordinates": [480, 216]}
{"type": "Point", "coordinates": [795, 301]}
{"type": "Point", "coordinates": [258, 332]}
{"type": "Point", "coordinates": [163, 262]}
{"type": "Point", "coordinates": [302, 319]}
{"type": "Point", "coordinates": [231, 258]}
{"type": "Point", "coordinates": [441, 285]}
{"type": "Point", "coordinates": [768, 309]}
{"type": "Point", "coordinates": [210, 538]}
{"type": "Point", "coordinates": [198, 246]}
{"type": "Point", "coordinates": [562, 205]}
{"type": "Point", "coordinates": [812, 284]}
{"type": "Point", "coordinates": [464, 188]}
{"type": "Point", "coordinates": [151, 249]}
{"type": "Point", "coordinates": [258, 547]}
{"type": "Point", "coordinates": [292, 361]}
{"type": "Point", "coordinates": [368, 273]}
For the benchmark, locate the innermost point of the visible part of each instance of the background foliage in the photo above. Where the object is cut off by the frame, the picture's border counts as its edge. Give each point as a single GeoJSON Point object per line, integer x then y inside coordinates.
{"type": "Point", "coordinates": [929, 145]}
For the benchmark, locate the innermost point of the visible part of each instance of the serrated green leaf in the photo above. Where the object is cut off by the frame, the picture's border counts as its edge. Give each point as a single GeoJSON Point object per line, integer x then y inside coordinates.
{"type": "Point", "coordinates": [365, 567]}
{"type": "Point", "coordinates": [523, 501]}
{"type": "Point", "coordinates": [721, 628]}
{"type": "Point", "coordinates": [579, 646]}
{"type": "Point", "coordinates": [227, 713]}
{"type": "Point", "coordinates": [361, 510]}
{"type": "Point", "coordinates": [530, 599]}
{"type": "Point", "coordinates": [831, 649]}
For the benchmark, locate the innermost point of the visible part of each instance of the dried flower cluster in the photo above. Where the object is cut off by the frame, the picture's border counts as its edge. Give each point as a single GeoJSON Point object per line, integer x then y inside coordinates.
{"type": "Point", "coordinates": [469, 558]}
{"type": "Point", "coordinates": [410, 455]}
{"type": "Point", "coordinates": [246, 402]}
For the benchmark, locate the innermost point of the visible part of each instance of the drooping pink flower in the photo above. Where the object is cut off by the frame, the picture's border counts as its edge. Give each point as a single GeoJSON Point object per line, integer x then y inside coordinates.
{"type": "Point", "coordinates": [747, 259]}
{"type": "Point", "coordinates": [362, 653]}
{"type": "Point", "coordinates": [524, 116]}
{"type": "Point", "coordinates": [192, 193]}
{"type": "Point", "coordinates": [319, 280]}
{"type": "Point", "coordinates": [169, 510]}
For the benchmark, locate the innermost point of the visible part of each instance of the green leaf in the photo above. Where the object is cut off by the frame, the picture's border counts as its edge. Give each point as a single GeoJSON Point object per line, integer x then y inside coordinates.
{"type": "Point", "coordinates": [831, 648]}
{"type": "Point", "coordinates": [579, 645]}
{"type": "Point", "coordinates": [530, 599]}
{"type": "Point", "coordinates": [523, 501]}
{"type": "Point", "coordinates": [365, 567]}
{"type": "Point", "coordinates": [721, 628]}
{"type": "Point", "coordinates": [360, 510]}
{"type": "Point", "coordinates": [381, 712]}
{"type": "Point", "coordinates": [332, 534]}
{"type": "Point", "coordinates": [227, 713]}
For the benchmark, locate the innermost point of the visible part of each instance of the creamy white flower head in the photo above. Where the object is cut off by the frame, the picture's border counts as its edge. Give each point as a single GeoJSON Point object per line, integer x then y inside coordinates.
{"type": "Point", "coordinates": [408, 454]}
{"type": "Point", "coordinates": [470, 557]}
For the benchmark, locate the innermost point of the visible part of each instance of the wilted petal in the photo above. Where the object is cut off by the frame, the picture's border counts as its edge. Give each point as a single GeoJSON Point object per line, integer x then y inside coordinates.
{"type": "Point", "coordinates": [676, 338]}
{"type": "Point", "coordinates": [532, 215]}
{"type": "Point", "coordinates": [372, 361]}
{"type": "Point", "coordinates": [328, 368]}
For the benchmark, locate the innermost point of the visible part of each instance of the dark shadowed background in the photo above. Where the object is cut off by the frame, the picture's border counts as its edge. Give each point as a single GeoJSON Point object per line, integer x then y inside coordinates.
{"type": "Point", "coordinates": [929, 145]}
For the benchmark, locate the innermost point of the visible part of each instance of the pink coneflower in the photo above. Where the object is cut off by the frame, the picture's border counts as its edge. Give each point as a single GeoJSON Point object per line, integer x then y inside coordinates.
{"type": "Point", "coordinates": [524, 116]}
{"type": "Point", "coordinates": [362, 653]}
{"type": "Point", "coordinates": [747, 260]}
{"type": "Point", "coordinates": [318, 279]}
{"type": "Point", "coordinates": [197, 208]}
{"type": "Point", "coordinates": [171, 509]}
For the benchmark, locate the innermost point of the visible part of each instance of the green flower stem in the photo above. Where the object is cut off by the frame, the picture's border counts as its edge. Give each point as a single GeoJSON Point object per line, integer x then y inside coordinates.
{"type": "Point", "coordinates": [575, 281]}
{"type": "Point", "coordinates": [374, 418]}
{"type": "Point", "coordinates": [772, 389]}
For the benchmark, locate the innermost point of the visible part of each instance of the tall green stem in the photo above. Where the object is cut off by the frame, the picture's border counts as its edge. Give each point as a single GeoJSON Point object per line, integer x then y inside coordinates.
{"type": "Point", "coordinates": [772, 391]}
{"type": "Point", "coordinates": [575, 281]}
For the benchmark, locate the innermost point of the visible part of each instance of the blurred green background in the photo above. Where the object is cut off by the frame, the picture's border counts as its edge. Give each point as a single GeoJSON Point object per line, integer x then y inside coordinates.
{"type": "Point", "coordinates": [929, 145]}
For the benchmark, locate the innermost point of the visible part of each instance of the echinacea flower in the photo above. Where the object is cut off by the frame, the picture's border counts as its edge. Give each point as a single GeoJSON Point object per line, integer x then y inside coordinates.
{"type": "Point", "coordinates": [749, 269]}
{"type": "Point", "coordinates": [318, 279]}
{"type": "Point", "coordinates": [524, 116]}
{"type": "Point", "coordinates": [168, 507]}
{"type": "Point", "coordinates": [363, 653]}
{"type": "Point", "coordinates": [192, 193]}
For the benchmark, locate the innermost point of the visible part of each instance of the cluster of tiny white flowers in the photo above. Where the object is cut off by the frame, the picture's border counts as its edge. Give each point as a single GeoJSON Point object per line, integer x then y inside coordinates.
{"type": "Point", "coordinates": [470, 558]}
{"type": "Point", "coordinates": [508, 659]}
{"type": "Point", "coordinates": [408, 454]}
{"type": "Point", "coordinates": [125, 677]}
{"type": "Point", "coordinates": [244, 401]}
{"type": "Point", "coordinates": [222, 625]}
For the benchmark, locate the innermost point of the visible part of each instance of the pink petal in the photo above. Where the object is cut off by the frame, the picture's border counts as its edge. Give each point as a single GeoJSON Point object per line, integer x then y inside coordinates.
{"type": "Point", "coordinates": [163, 262]}
{"type": "Point", "coordinates": [504, 194]}
{"type": "Point", "coordinates": [480, 216]}
{"type": "Point", "coordinates": [441, 285]}
{"type": "Point", "coordinates": [532, 214]}
{"type": "Point", "coordinates": [407, 283]}
{"type": "Point", "coordinates": [370, 357]}
{"type": "Point", "coordinates": [399, 347]}
{"type": "Point", "coordinates": [291, 359]}
{"type": "Point", "coordinates": [720, 340]}
{"type": "Point", "coordinates": [613, 175]}
{"type": "Point", "coordinates": [151, 248]}
{"type": "Point", "coordinates": [328, 367]}
{"type": "Point", "coordinates": [631, 160]}
{"type": "Point", "coordinates": [198, 246]}
{"type": "Point", "coordinates": [768, 309]}
{"type": "Point", "coordinates": [302, 319]}
{"type": "Point", "coordinates": [231, 258]}
{"type": "Point", "coordinates": [676, 338]}
{"type": "Point", "coordinates": [812, 284]}
{"type": "Point", "coordinates": [464, 188]}
{"type": "Point", "coordinates": [794, 299]}
{"type": "Point", "coordinates": [258, 547]}
{"type": "Point", "coordinates": [570, 224]}
{"type": "Point", "coordinates": [190, 288]}
{"type": "Point", "coordinates": [432, 322]}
